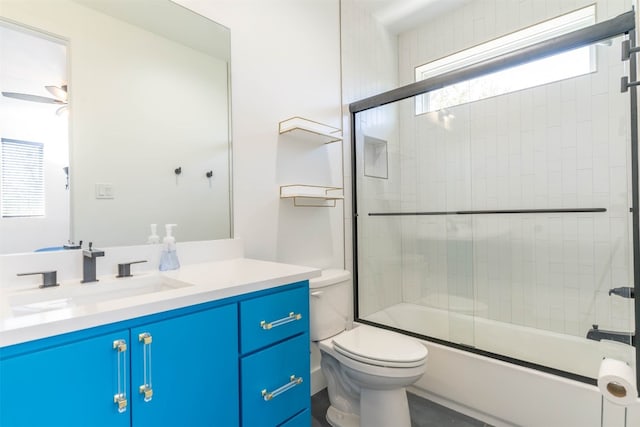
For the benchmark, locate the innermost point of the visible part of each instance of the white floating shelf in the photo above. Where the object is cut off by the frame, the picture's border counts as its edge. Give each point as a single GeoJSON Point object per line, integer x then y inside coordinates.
{"type": "Point", "coordinates": [311, 195]}
{"type": "Point", "coordinates": [310, 130]}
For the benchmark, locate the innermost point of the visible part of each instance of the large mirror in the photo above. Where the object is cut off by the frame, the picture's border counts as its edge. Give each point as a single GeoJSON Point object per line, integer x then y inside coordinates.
{"type": "Point", "coordinates": [127, 104]}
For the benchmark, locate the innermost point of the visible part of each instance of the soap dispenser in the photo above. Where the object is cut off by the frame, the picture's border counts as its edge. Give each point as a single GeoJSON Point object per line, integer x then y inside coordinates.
{"type": "Point", "coordinates": [169, 257]}
{"type": "Point", "coordinates": [153, 237]}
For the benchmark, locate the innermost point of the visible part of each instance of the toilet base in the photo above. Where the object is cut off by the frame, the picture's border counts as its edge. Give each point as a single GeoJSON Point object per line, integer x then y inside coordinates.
{"type": "Point", "coordinates": [382, 408]}
{"type": "Point", "coordinates": [337, 418]}
{"type": "Point", "coordinates": [378, 408]}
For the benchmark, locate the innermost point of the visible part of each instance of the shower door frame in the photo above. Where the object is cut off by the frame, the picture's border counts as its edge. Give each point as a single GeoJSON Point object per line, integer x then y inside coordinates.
{"type": "Point", "coordinates": [620, 25]}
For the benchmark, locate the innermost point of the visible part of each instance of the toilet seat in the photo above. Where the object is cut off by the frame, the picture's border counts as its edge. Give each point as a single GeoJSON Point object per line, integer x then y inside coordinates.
{"type": "Point", "coordinates": [379, 347]}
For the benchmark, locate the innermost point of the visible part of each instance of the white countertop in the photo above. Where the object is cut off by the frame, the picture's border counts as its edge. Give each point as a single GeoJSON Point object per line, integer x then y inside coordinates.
{"type": "Point", "coordinates": [208, 281]}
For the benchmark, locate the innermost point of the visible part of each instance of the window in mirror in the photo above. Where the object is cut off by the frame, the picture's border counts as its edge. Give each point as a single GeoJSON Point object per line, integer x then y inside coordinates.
{"type": "Point", "coordinates": [553, 68]}
{"type": "Point", "coordinates": [22, 178]}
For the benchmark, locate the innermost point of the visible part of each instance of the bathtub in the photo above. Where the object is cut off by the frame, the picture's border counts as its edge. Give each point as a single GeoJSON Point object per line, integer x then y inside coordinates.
{"type": "Point", "coordinates": [506, 394]}
{"type": "Point", "coordinates": [568, 353]}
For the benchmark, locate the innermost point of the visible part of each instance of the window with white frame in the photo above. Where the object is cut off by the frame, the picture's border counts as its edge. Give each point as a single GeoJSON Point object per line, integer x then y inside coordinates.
{"type": "Point", "coordinates": [22, 178]}
{"type": "Point", "coordinates": [553, 68]}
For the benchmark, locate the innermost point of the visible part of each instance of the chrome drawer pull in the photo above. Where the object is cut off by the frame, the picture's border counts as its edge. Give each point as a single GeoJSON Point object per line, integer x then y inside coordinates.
{"type": "Point", "coordinates": [292, 317]}
{"type": "Point", "coordinates": [293, 381]}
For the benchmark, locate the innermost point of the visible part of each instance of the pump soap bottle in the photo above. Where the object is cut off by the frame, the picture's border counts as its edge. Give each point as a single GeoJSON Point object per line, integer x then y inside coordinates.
{"type": "Point", "coordinates": [169, 257]}
{"type": "Point", "coordinates": [153, 237]}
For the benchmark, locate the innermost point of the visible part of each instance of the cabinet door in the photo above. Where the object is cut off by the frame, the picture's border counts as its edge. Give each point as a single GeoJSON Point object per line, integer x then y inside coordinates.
{"type": "Point", "coordinates": [191, 368]}
{"type": "Point", "coordinates": [67, 385]}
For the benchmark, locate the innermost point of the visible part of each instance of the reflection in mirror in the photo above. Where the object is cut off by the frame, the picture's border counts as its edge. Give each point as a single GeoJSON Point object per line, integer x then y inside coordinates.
{"type": "Point", "coordinates": [147, 95]}
{"type": "Point", "coordinates": [34, 195]}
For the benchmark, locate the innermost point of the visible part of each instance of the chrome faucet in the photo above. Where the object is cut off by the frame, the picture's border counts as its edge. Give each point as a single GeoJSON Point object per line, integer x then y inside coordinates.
{"type": "Point", "coordinates": [598, 334]}
{"type": "Point", "coordinates": [624, 292]}
{"type": "Point", "coordinates": [89, 263]}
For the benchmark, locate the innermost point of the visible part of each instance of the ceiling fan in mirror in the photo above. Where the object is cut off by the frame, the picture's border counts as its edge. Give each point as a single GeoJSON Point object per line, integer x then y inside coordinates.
{"type": "Point", "coordinates": [59, 97]}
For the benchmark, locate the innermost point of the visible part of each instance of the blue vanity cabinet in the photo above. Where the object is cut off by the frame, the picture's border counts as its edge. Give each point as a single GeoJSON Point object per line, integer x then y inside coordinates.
{"type": "Point", "coordinates": [275, 362]}
{"type": "Point", "coordinates": [188, 363]}
{"type": "Point", "coordinates": [184, 371]}
{"type": "Point", "coordinates": [243, 361]}
{"type": "Point", "coordinates": [303, 419]}
{"type": "Point", "coordinates": [66, 385]}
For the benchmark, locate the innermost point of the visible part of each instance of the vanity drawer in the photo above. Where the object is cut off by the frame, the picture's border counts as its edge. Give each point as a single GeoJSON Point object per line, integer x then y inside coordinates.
{"type": "Point", "coordinates": [272, 318]}
{"type": "Point", "coordinates": [303, 419]}
{"type": "Point", "coordinates": [275, 383]}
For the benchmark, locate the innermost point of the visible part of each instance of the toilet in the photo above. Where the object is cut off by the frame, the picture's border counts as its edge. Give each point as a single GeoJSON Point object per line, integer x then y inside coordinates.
{"type": "Point", "coordinates": [367, 368]}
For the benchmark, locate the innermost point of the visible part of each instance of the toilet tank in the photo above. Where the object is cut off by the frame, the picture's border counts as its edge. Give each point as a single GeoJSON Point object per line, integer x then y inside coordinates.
{"type": "Point", "coordinates": [329, 303]}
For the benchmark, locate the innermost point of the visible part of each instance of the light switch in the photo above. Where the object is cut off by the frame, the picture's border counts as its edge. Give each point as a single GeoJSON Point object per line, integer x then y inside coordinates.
{"type": "Point", "coordinates": [104, 191]}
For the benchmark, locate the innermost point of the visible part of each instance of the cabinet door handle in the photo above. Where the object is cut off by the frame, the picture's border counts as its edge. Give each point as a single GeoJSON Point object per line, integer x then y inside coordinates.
{"type": "Point", "coordinates": [120, 398]}
{"type": "Point", "coordinates": [293, 381]}
{"type": "Point", "coordinates": [292, 317]}
{"type": "Point", "coordinates": [146, 389]}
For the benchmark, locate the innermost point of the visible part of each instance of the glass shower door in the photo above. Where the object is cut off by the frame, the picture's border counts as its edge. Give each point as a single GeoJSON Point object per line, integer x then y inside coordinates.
{"type": "Point", "coordinates": [415, 257]}
{"type": "Point", "coordinates": [503, 224]}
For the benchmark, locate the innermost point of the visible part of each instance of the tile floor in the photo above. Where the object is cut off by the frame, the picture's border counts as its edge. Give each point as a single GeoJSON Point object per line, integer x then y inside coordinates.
{"type": "Point", "coordinates": [424, 413]}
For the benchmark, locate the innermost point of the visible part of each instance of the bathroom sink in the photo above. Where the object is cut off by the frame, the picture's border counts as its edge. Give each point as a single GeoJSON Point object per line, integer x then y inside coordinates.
{"type": "Point", "coordinates": [76, 294]}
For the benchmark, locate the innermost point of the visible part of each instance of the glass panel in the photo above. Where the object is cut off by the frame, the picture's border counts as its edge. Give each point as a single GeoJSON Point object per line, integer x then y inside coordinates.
{"type": "Point", "coordinates": [380, 241]}
{"type": "Point", "coordinates": [439, 256]}
{"type": "Point", "coordinates": [415, 271]}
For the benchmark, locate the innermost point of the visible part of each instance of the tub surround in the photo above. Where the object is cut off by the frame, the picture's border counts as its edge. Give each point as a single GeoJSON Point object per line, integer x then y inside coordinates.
{"type": "Point", "coordinates": [211, 270]}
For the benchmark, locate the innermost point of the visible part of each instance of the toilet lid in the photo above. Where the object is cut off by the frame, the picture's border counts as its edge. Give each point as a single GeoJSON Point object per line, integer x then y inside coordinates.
{"type": "Point", "coordinates": [380, 347]}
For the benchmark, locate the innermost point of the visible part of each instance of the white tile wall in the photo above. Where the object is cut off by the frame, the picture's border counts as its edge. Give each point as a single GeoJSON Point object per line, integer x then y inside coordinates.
{"type": "Point", "coordinates": [370, 67]}
{"type": "Point", "coordinates": [559, 146]}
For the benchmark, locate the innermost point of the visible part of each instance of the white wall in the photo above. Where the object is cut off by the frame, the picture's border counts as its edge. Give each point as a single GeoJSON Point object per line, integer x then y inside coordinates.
{"type": "Point", "coordinates": [370, 66]}
{"type": "Point", "coordinates": [284, 62]}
